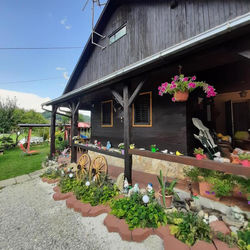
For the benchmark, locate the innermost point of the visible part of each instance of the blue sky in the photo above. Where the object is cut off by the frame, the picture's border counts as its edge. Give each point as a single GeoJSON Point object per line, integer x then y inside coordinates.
{"type": "Point", "coordinates": [44, 23]}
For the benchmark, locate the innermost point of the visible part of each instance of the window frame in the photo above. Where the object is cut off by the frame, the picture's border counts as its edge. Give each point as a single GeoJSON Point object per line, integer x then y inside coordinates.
{"type": "Point", "coordinates": [111, 114]}
{"type": "Point", "coordinates": [150, 112]}
{"type": "Point", "coordinates": [115, 32]}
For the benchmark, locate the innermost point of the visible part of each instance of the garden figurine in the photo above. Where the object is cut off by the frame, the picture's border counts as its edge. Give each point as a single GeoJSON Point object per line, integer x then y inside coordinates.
{"type": "Point", "coordinates": [108, 146]}
{"type": "Point", "coordinates": [150, 187]}
{"type": "Point", "coordinates": [95, 143]}
{"type": "Point", "coordinates": [125, 186]}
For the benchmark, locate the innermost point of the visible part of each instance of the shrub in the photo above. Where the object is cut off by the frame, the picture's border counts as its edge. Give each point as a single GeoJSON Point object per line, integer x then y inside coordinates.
{"type": "Point", "coordinates": [188, 227]}
{"type": "Point", "coordinates": [137, 214]}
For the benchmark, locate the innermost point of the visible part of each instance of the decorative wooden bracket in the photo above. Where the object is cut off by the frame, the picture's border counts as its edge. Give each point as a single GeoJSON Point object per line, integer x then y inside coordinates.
{"type": "Point", "coordinates": [136, 92]}
{"type": "Point", "coordinates": [118, 97]}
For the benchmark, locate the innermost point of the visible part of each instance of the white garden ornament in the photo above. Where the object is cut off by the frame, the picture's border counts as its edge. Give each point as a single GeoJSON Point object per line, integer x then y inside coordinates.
{"type": "Point", "coordinates": [145, 199]}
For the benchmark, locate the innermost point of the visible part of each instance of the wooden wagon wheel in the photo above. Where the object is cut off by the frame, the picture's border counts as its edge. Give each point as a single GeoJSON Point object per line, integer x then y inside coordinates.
{"type": "Point", "coordinates": [83, 166]}
{"type": "Point", "coordinates": [99, 166]}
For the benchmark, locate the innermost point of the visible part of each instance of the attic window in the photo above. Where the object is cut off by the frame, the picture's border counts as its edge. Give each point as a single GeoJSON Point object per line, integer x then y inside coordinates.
{"type": "Point", "coordinates": [142, 110]}
{"type": "Point", "coordinates": [122, 31]}
{"type": "Point", "coordinates": [107, 113]}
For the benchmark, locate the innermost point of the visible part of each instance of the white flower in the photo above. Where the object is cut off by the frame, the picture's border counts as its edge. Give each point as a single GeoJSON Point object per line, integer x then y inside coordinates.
{"type": "Point", "coordinates": [71, 175]}
{"type": "Point", "coordinates": [87, 183]}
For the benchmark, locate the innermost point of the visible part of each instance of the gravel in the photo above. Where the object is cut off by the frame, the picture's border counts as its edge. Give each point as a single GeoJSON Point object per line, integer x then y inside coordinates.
{"type": "Point", "coordinates": [31, 219]}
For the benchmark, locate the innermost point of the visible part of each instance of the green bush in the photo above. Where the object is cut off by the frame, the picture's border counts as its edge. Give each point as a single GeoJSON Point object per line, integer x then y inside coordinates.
{"type": "Point", "coordinates": [137, 214]}
{"type": "Point", "coordinates": [188, 227]}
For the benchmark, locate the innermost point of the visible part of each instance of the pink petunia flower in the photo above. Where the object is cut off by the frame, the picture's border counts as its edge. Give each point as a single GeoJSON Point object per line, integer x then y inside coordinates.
{"type": "Point", "coordinates": [173, 82]}
{"type": "Point", "coordinates": [159, 88]}
{"type": "Point", "coordinates": [160, 93]}
{"type": "Point", "coordinates": [176, 78]}
{"type": "Point", "coordinates": [173, 86]}
{"type": "Point", "coordinates": [191, 85]}
{"type": "Point", "coordinates": [185, 79]}
{"type": "Point", "coordinates": [193, 78]}
{"type": "Point", "coordinates": [165, 84]}
{"type": "Point", "coordinates": [173, 99]}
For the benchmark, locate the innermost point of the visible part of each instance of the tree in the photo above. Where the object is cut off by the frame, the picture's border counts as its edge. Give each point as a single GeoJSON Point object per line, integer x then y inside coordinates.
{"type": "Point", "coordinates": [7, 115]}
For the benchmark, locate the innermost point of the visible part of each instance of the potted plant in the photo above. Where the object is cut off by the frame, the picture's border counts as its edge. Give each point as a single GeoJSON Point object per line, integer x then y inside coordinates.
{"type": "Point", "coordinates": [167, 192]}
{"type": "Point", "coordinates": [199, 154]}
{"type": "Point", "coordinates": [153, 148]}
{"type": "Point", "coordinates": [181, 85]}
{"type": "Point", "coordinates": [121, 147]}
{"type": "Point", "coordinates": [245, 159]}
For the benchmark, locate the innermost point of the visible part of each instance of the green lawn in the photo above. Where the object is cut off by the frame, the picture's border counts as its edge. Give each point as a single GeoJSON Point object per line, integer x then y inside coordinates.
{"type": "Point", "coordinates": [14, 163]}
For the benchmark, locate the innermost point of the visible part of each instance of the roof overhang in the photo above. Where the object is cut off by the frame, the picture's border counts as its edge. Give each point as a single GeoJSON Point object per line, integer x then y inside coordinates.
{"type": "Point", "coordinates": [206, 36]}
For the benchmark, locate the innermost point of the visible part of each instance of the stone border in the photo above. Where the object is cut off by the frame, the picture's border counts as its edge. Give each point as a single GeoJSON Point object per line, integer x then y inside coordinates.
{"type": "Point", "coordinates": [49, 181]}
{"type": "Point", "coordinates": [120, 226]}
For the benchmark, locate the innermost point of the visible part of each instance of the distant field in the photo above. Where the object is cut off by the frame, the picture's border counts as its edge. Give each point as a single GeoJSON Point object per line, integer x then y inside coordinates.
{"type": "Point", "coordinates": [14, 163]}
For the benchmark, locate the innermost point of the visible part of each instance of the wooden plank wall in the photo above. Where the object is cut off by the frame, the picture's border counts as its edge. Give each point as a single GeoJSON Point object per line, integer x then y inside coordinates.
{"type": "Point", "coordinates": [153, 26]}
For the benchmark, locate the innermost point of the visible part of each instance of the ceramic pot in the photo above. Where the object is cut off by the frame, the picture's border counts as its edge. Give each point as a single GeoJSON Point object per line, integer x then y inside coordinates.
{"type": "Point", "coordinates": [206, 191]}
{"type": "Point", "coordinates": [181, 96]}
{"type": "Point", "coordinates": [122, 151]}
{"type": "Point", "coordinates": [245, 163]}
{"type": "Point", "coordinates": [168, 199]}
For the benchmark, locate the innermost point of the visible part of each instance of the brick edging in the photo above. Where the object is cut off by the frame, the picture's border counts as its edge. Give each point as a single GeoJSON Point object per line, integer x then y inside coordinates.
{"type": "Point", "coordinates": [120, 226]}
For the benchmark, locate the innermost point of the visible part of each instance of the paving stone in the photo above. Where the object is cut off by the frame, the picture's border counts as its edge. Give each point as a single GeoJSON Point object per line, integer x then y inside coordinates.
{"type": "Point", "coordinates": [111, 222]}
{"type": "Point", "coordinates": [36, 173]}
{"type": "Point", "coordinates": [162, 231]}
{"type": "Point", "coordinates": [97, 210]}
{"type": "Point", "coordinates": [223, 246]}
{"type": "Point", "coordinates": [7, 182]}
{"type": "Point", "coordinates": [141, 234]}
{"type": "Point", "coordinates": [22, 178]}
{"type": "Point", "coordinates": [60, 196]}
{"type": "Point", "coordinates": [85, 208]}
{"type": "Point", "coordinates": [56, 189]}
{"type": "Point", "coordinates": [202, 245]}
{"type": "Point", "coordinates": [171, 243]}
{"type": "Point", "coordinates": [78, 206]}
{"type": "Point", "coordinates": [220, 226]}
{"type": "Point", "coordinates": [124, 231]}
{"type": "Point", "coordinates": [70, 202]}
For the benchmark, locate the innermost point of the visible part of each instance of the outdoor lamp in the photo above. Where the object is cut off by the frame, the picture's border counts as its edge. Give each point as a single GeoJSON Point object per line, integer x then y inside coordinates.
{"type": "Point", "coordinates": [87, 183]}
{"type": "Point", "coordinates": [145, 199]}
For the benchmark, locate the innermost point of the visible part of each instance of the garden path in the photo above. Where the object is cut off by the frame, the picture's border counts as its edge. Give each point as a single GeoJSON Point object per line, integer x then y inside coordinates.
{"type": "Point", "coordinates": [31, 219]}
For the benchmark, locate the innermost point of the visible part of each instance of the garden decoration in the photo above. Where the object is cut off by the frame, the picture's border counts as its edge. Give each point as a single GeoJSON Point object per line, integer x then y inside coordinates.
{"type": "Point", "coordinates": [83, 166]}
{"type": "Point", "coordinates": [180, 87]}
{"type": "Point", "coordinates": [178, 153]}
{"type": "Point", "coordinates": [108, 146]}
{"type": "Point", "coordinates": [125, 186]}
{"type": "Point", "coordinates": [150, 187]}
{"type": "Point", "coordinates": [121, 147]}
{"type": "Point", "coordinates": [153, 148]}
{"type": "Point", "coordinates": [245, 159]}
{"type": "Point", "coordinates": [99, 166]}
{"type": "Point", "coordinates": [199, 154]}
{"type": "Point", "coordinates": [132, 146]}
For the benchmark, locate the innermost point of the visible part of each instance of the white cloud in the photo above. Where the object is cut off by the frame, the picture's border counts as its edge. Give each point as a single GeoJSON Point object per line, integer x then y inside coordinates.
{"type": "Point", "coordinates": [63, 21]}
{"type": "Point", "coordinates": [25, 100]}
{"type": "Point", "coordinates": [65, 75]}
{"type": "Point", "coordinates": [60, 68]}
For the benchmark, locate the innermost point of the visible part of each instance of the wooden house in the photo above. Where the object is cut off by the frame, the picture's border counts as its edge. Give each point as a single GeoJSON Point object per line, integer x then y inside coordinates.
{"type": "Point", "coordinates": [144, 44]}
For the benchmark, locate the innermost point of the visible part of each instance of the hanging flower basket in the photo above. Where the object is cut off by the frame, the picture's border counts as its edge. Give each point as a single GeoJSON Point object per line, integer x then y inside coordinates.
{"type": "Point", "coordinates": [181, 96]}
{"type": "Point", "coordinates": [180, 87]}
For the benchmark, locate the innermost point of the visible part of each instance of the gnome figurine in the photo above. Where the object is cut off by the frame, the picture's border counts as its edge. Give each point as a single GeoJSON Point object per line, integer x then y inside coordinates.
{"type": "Point", "coordinates": [150, 187]}
{"type": "Point", "coordinates": [125, 186]}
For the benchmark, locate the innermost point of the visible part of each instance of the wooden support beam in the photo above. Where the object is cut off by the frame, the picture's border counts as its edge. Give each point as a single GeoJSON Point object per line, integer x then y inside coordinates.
{"type": "Point", "coordinates": [74, 129]}
{"type": "Point", "coordinates": [52, 131]}
{"type": "Point", "coordinates": [28, 140]}
{"type": "Point", "coordinates": [117, 97]}
{"type": "Point", "coordinates": [136, 92]}
{"type": "Point", "coordinates": [127, 126]}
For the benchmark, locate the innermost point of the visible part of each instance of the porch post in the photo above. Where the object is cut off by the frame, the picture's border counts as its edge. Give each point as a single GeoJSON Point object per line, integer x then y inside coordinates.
{"type": "Point", "coordinates": [127, 125]}
{"type": "Point", "coordinates": [52, 132]}
{"type": "Point", "coordinates": [74, 129]}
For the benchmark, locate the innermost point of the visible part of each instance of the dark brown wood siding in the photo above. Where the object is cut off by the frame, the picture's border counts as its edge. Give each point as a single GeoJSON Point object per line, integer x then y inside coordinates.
{"type": "Point", "coordinates": [153, 26]}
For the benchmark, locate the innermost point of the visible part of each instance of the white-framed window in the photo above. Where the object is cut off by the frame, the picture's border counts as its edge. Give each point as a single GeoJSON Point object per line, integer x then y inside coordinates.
{"type": "Point", "coordinates": [122, 31]}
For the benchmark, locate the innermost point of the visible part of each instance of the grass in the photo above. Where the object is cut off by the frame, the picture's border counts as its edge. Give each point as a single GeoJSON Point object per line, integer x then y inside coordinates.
{"type": "Point", "coordinates": [14, 163]}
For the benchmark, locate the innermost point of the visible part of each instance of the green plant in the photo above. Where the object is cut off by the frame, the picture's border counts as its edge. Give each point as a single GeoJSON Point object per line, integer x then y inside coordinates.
{"type": "Point", "coordinates": [95, 194]}
{"type": "Point", "coordinates": [244, 156]}
{"type": "Point", "coordinates": [188, 227]}
{"type": "Point", "coordinates": [199, 151]}
{"type": "Point", "coordinates": [68, 184]}
{"type": "Point", "coordinates": [240, 239]}
{"type": "Point", "coordinates": [51, 174]}
{"type": "Point", "coordinates": [137, 214]}
{"type": "Point", "coordinates": [221, 187]}
{"type": "Point", "coordinates": [121, 146]}
{"type": "Point", "coordinates": [167, 188]}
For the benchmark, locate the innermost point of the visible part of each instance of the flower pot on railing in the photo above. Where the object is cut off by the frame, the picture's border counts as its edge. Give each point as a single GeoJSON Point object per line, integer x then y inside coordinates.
{"type": "Point", "coordinates": [181, 96]}
{"type": "Point", "coordinates": [245, 163]}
